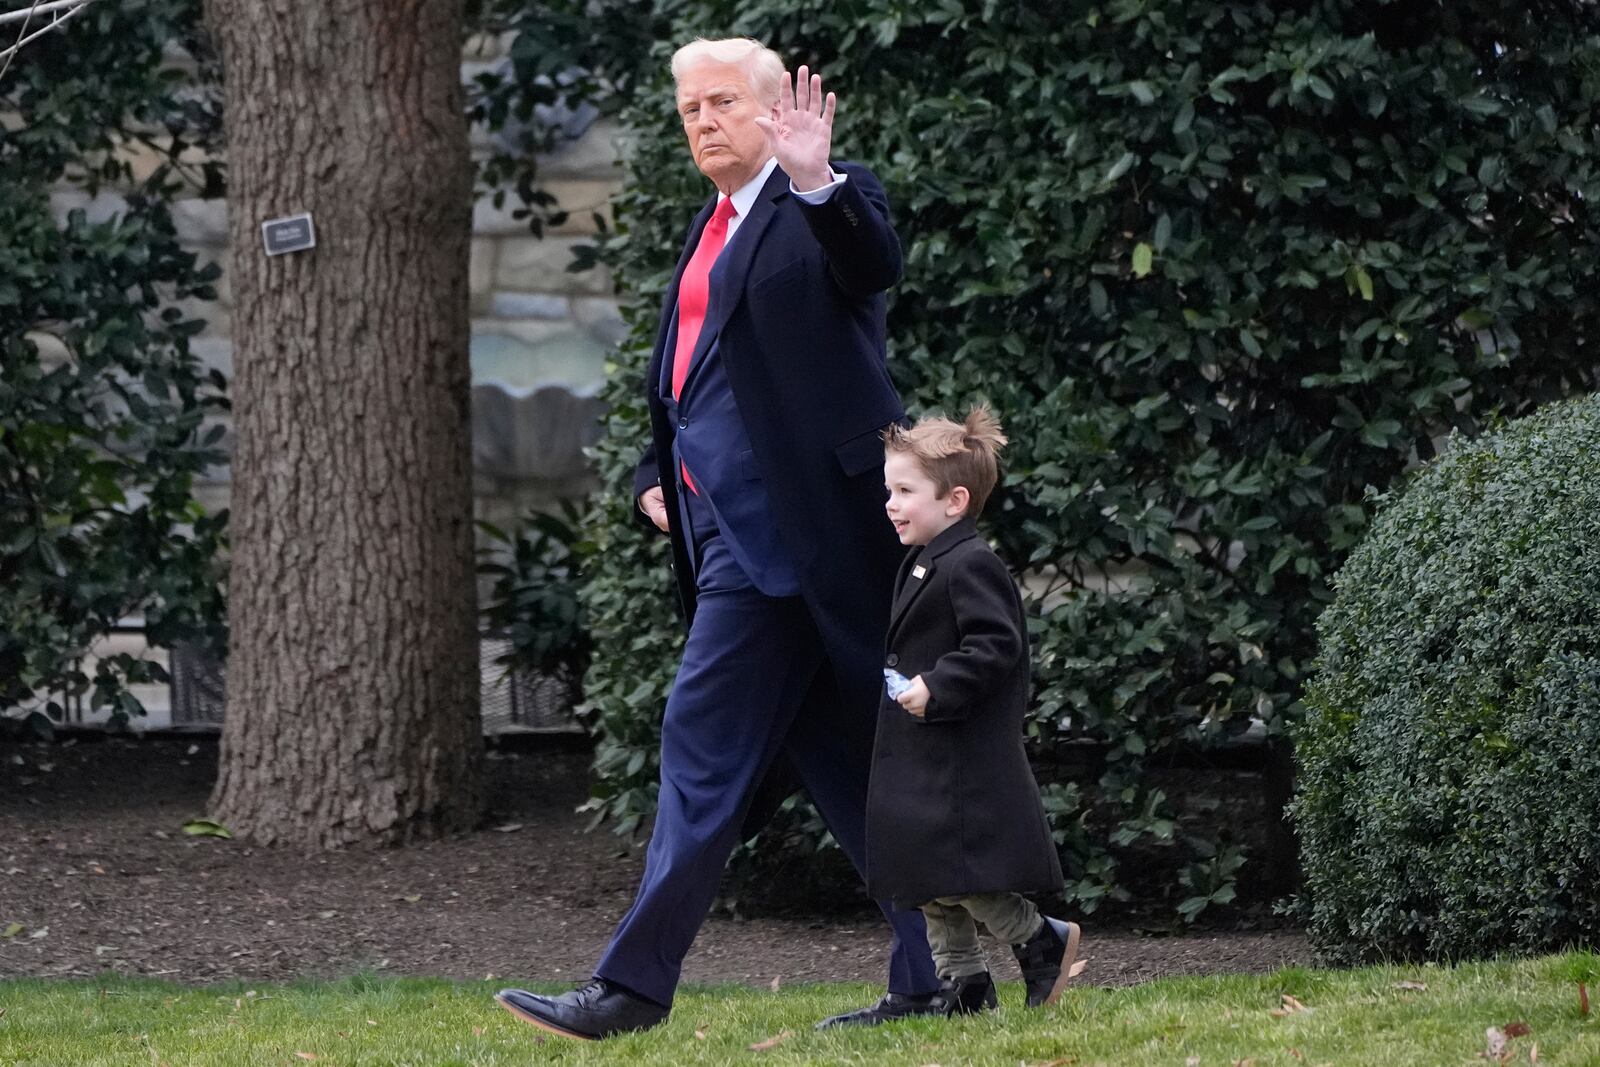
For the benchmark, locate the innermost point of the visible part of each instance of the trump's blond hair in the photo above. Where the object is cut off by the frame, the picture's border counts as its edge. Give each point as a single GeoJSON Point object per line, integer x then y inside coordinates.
{"type": "Point", "coordinates": [762, 66]}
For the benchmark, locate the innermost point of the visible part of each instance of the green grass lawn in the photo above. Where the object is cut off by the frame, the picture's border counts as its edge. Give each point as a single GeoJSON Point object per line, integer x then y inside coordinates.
{"type": "Point", "coordinates": [1364, 1017]}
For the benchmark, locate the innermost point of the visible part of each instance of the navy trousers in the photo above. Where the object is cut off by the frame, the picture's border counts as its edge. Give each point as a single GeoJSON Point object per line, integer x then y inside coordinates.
{"type": "Point", "coordinates": [750, 663]}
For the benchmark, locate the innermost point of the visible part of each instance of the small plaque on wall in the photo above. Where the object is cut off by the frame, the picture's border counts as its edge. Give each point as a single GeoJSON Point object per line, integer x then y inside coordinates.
{"type": "Point", "coordinates": [292, 233]}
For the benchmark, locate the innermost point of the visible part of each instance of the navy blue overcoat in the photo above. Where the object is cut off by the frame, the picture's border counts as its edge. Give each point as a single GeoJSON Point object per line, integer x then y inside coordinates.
{"type": "Point", "coordinates": [798, 320]}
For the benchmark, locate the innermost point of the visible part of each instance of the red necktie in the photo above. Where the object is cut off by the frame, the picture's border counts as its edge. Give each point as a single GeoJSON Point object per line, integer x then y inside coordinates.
{"type": "Point", "coordinates": [694, 294]}
{"type": "Point", "coordinates": [694, 291]}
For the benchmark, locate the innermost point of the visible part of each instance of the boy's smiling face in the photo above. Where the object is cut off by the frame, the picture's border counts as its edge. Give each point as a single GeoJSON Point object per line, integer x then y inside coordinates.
{"type": "Point", "coordinates": [914, 506]}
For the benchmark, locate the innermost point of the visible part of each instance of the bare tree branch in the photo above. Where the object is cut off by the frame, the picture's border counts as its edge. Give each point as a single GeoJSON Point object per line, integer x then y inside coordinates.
{"type": "Point", "coordinates": [54, 7]}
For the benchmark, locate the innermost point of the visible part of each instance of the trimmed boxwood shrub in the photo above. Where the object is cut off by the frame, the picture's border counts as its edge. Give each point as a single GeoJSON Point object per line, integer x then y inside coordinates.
{"type": "Point", "coordinates": [1449, 796]}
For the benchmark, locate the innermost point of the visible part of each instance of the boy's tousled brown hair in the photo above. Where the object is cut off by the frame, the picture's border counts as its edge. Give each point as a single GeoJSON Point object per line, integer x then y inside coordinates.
{"type": "Point", "coordinates": [955, 453]}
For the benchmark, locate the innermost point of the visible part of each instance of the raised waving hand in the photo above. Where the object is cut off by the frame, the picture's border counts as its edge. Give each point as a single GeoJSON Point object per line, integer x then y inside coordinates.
{"type": "Point", "coordinates": [801, 133]}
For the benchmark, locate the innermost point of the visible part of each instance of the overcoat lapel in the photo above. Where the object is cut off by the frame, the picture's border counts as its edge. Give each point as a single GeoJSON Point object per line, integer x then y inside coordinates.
{"type": "Point", "coordinates": [667, 332]}
{"type": "Point", "coordinates": [917, 571]}
{"type": "Point", "coordinates": [906, 587]}
{"type": "Point", "coordinates": [732, 268]}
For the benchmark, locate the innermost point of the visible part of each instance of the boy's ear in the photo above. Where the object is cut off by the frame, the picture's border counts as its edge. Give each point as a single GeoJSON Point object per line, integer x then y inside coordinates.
{"type": "Point", "coordinates": [956, 503]}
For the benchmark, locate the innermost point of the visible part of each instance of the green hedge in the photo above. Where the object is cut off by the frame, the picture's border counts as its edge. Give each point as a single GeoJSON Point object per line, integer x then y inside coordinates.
{"type": "Point", "coordinates": [1448, 795]}
{"type": "Point", "coordinates": [1220, 266]}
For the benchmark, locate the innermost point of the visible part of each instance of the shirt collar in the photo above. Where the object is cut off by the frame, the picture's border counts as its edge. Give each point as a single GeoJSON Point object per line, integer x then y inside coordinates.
{"type": "Point", "coordinates": [744, 197]}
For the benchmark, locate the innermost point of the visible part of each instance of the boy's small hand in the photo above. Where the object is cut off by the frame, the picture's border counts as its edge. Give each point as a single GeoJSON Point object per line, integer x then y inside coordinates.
{"type": "Point", "coordinates": [915, 699]}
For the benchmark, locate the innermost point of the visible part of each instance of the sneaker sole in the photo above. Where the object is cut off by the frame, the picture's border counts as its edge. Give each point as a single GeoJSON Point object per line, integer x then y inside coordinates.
{"type": "Point", "coordinates": [1069, 956]}
{"type": "Point", "coordinates": [534, 1020]}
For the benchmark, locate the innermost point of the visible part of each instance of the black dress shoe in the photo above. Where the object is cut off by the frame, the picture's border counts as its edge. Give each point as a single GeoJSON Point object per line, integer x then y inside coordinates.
{"type": "Point", "coordinates": [598, 1010]}
{"type": "Point", "coordinates": [969, 994]}
{"type": "Point", "coordinates": [893, 1006]}
{"type": "Point", "coordinates": [1046, 960]}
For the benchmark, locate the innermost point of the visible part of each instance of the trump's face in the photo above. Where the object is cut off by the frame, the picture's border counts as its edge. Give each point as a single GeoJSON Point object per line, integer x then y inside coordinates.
{"type": "Point", "coordinates": [719, 111]}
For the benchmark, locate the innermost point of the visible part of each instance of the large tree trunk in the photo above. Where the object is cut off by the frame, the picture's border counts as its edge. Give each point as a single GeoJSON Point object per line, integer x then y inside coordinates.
{"type": "Point", "coordinates": [352, 671]}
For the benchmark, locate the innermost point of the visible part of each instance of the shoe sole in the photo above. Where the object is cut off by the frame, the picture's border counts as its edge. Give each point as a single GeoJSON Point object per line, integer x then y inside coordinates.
{"type": "Point", "coordinates": [534, 1020]}
{"type": "Point", "coordinates": [1069, 956]}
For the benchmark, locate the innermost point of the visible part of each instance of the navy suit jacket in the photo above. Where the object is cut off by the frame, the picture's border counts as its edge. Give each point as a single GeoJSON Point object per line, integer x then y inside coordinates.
{"type": "Point", "coordinates": [797, 319]}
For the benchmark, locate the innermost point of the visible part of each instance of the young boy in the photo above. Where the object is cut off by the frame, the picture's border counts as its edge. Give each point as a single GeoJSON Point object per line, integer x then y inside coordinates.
{"type": "Point", "coordinates": [954, 821]}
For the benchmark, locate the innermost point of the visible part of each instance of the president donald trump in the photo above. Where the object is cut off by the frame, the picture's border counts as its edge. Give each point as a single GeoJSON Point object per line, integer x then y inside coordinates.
{"type": "Point", "coordinates": [768, 393]}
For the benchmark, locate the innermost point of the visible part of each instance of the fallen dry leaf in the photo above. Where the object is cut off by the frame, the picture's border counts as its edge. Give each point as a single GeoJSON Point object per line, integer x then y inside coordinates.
{"type": "Point", "coordinates": [777, 980]}
{"type": "Point", "coordinates": [1533, 1053]}
{"type": "Point", "coordinates": [1296, 1054]}
{"type": "Point", "coordinates": [772, 1042]}
{"type": "Point", "coordinates": [1494, 1042]}
{"type": "Point", "coordinates": [1289, 1006]}
{"type": "Point", "coordinates": [508, 828]}
{"type": "Point", "coordinates": [1062, 1062]}
{"type": "Point", "coordinates": [1192, 1061]}
{"type": "Point", "coordinates": [1244, 1063]}
{"type": "Point", "coordinates": [1583, 999]}
{"type": "Point", "coordinates": [1518, 1029]}
{"type": "Point", "coordinates": [1419, 987]}
{"type": "Point", "coordinates": [306, 1055]}
{"type": "Point", "coordinates": [1077, 968]}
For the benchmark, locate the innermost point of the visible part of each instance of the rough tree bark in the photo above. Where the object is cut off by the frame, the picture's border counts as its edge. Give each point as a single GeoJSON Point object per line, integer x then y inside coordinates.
{"type": "Point", "coordinates": [352, 669]}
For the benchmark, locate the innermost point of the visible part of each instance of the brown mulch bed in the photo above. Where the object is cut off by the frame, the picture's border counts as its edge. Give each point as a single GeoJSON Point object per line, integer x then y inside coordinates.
{"type": "Point", "coordinates": [95, 868]}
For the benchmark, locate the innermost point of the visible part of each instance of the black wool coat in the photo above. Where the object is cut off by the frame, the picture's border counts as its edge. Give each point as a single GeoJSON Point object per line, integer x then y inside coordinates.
{"type": "Point", "coordinates": [952, 807]}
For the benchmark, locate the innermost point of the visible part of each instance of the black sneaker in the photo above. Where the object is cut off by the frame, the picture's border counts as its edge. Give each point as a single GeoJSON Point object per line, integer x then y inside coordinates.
{"type": "Point", "coordinates": [969, 994]}
{"type": "Point", "coordinates": [1046, 960]}
{"type": "Point", "coordinates": [893, 1006]}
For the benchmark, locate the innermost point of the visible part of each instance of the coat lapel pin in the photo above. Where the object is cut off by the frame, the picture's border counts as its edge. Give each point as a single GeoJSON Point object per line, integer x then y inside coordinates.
{"type": "Point", "coordinates": [918, 571]}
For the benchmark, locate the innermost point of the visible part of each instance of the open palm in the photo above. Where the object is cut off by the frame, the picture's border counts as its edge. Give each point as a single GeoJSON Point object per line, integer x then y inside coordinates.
{"type": "Point", "coordinates": [801, 133]}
